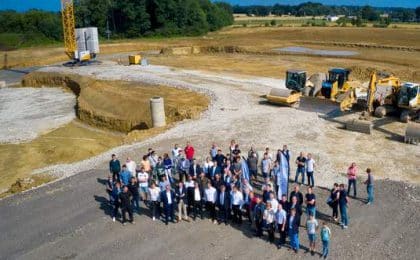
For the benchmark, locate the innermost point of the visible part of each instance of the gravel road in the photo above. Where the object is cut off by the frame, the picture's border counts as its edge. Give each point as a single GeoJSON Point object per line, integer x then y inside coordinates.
{"type": "Point", "coordinates": [70, 219]}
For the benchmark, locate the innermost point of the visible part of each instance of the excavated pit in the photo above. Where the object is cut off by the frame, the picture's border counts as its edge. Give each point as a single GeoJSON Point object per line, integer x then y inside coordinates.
{"type": "Point", "coordinates": [121, 105]}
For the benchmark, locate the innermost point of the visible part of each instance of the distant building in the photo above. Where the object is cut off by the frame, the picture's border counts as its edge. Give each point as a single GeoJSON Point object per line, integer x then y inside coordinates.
{"type": "Point", "coordinates": [384, 15]}
{"type": "Point", "coordinates": [332, 18]}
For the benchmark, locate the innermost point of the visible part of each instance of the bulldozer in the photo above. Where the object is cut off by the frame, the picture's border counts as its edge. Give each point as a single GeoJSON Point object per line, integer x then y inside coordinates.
{"type": "Point", "coordinates": [338, 88]}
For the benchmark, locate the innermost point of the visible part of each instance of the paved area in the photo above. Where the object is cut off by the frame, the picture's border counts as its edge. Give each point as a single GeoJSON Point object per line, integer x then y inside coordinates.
{"type": "Point", "coordinates": [70, 219]}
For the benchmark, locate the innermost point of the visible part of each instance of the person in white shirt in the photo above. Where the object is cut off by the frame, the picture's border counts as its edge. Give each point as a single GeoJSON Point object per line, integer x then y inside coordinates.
{"type": "Point", "coordinates": [154, 194]}
{"type": "Point", "coordinates": [176, 156]}
{"type": "Point", "coordinates": [281, 218]}
{"type": "Point", "coordinates": [164, 183]}
{"type": "Point", "coordinates": [245, 185]}
{"type": "Point", "coordinates": [207, 165]}
{"type": "Point", "coordinates": [184, 168]}
{"type": "Point", "coordinates": [310, 166]}
{"type": "Point", "coordinates": [237, 202]}
{"type": "Point", "coordinates": [211, 197]}
{"type": "Point", "coordinates": [153, 159]}
{"type": "Point", "coordinates": [143, 180]}
{"type": "Point", "coordinates": [266, 166]}
{"type": "Point", "coordinates": [268, 216]}
{"type": "Point", "coordinates": [274, 202]}
{"type": "Point", "coordinates": [197, 206]}
{"type": "Point", "coordinates": [131, 166]}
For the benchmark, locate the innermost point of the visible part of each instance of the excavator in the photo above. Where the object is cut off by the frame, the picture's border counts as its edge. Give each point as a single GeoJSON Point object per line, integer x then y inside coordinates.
{"type": "Point", "coordinates": [337, 88]}
{"type": "Point", "coordinates": [388, 95]}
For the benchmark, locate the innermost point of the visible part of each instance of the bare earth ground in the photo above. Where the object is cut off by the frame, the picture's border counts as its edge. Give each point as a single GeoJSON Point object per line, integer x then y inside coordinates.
{"type": "Point", "coordinates": [236, 113]}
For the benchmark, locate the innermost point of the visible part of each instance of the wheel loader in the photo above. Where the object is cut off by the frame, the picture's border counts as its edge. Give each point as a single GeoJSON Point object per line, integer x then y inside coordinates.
{"type": "Point", "coordinates": [338, 88]}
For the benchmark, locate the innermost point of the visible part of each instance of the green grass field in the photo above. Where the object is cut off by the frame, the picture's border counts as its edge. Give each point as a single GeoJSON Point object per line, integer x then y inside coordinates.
{"type": "Point", "coordinates": [12, 41]}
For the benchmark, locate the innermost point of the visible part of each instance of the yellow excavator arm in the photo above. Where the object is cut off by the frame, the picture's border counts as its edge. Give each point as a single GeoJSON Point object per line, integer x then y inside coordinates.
{"type": "Point", "coordinates": [67, 11]}
{"type": "Point", "coordinates": [374, 82]}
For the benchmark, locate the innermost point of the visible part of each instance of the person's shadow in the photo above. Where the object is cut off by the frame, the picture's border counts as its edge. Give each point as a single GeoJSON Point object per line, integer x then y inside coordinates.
{"type": "Point", "coordinates": [104, 205]}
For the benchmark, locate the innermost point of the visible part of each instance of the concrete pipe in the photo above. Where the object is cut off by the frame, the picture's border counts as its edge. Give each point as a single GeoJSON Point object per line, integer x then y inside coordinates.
{"type": "Point", "coordinates": [157, 109]}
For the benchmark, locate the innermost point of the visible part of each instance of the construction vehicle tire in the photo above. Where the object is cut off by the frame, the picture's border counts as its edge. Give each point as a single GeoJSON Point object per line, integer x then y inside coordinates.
{"type": "Point", "coordinates": [412, 133]}
{"type": "Point", "coordinates": [380, 111]}
{"type": "Point", "coordinates": [405, 116]}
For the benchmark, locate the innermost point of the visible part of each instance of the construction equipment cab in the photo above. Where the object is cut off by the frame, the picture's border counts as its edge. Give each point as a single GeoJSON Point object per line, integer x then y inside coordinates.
{"type": "Point", "coordinates": [337, 77]}
{"type": "Point", "coordinates": [409, 101]}
{"type": "Point", "coordinates": [295, 84]}
{"type": "Point", "coordinates": [296, 80]}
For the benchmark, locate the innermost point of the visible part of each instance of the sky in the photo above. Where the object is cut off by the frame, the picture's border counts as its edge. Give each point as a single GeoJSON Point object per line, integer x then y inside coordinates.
{"type": "Point", "coordinates": [54, 5]}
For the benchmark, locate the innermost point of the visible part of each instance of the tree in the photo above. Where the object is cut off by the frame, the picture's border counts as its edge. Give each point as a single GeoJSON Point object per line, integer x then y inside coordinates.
{"type": "Point", "coordinates": [369, 14]}
{"type": "Point", "coordinates": [418, 13]}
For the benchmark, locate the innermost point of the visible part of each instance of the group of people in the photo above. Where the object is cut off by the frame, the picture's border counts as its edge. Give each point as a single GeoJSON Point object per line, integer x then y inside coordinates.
{"type": "Point", "coordinates": [227, 189]}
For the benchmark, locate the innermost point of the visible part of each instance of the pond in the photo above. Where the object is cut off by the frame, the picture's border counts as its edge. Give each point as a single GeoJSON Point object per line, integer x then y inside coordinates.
{"type": "Point", "coordinates": [304, 50]}
{"type": "Point", "coordinates": [26, 113]}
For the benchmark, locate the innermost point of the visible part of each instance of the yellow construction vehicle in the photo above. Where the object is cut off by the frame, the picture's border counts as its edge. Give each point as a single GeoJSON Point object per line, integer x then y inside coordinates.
{"type": "Point", "coordinates": [295, 84]}
{"type": "Point", "coordinates": [382, 95]}
{"type": "Point", "coordinates": [81, 45]}
{"type": "Point", "coordinates": [409, 103]}
{"type": "Point", "coordinates": [388, 95]}
{"type": "Point", "coordinates": [339, 89]}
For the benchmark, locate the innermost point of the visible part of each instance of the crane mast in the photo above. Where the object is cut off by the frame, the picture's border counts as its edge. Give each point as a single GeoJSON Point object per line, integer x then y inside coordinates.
{"type": "Point", "coordinates": [67, 11]}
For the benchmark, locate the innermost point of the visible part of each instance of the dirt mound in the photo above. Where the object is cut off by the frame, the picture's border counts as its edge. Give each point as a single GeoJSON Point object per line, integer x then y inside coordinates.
{"type": "Point", "coordinates": [119, 105]}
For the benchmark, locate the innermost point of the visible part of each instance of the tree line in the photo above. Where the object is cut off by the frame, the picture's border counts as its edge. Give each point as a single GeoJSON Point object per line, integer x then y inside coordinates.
{"type": "Point", "coordinates": [317, 9]}
{"type": "Point", "coordinates": [124, 18]}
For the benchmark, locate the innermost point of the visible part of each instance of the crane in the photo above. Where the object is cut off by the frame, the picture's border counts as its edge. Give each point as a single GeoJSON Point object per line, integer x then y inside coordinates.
{"type": "Point", "coordinates": [69, 32]}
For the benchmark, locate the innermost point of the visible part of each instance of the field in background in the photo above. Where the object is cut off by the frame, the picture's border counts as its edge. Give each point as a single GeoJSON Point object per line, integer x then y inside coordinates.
{"type": "Point", "coordinates": [295, 21]}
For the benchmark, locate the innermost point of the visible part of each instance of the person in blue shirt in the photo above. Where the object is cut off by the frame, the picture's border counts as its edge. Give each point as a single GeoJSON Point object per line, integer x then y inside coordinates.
{"type": "Point", "coordinates": [115, 199]}
{"type": "Point", "coordinates": [342, 202]}
{"type": "Point", "coordinates": [125, 175]}
{"type": "Point", "coordinates": [325, 238]}
{"type": "Point", "coordinates": [293, 229]}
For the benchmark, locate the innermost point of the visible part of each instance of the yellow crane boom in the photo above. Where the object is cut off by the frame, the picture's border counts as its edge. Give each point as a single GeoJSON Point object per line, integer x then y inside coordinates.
{"type": "Point", "coordinates": [69, 25]}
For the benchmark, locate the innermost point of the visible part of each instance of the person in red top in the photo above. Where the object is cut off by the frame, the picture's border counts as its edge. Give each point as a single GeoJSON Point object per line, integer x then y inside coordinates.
{"type": "Point", "coordinates": [351, 175]}
{"type": "Point", "coordinates": [189, 151]}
